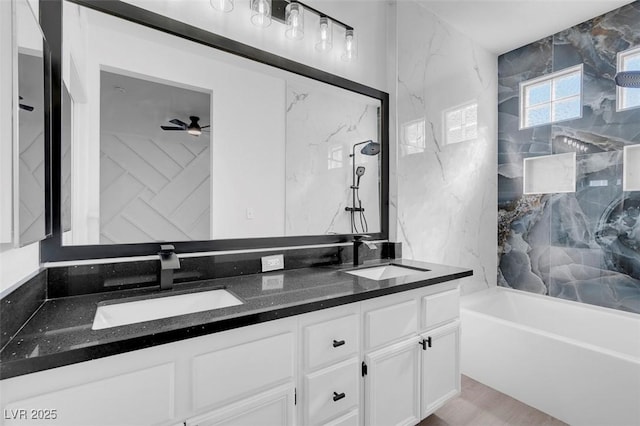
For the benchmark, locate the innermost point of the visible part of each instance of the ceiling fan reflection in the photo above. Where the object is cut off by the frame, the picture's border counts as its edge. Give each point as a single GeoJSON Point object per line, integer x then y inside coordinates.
{"type": "Point", "coordinates": [192, 128]}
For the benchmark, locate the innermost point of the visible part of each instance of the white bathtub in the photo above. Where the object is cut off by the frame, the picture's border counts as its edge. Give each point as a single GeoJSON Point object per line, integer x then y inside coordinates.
{"type": "Point", "coordinates": [576, 362]}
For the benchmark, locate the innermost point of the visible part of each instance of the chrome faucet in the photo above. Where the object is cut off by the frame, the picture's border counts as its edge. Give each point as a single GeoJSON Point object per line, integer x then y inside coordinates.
{"type": "Point", "coordinates": [358, 241]}
{"type": "Point", "coordinates": [168, 263]}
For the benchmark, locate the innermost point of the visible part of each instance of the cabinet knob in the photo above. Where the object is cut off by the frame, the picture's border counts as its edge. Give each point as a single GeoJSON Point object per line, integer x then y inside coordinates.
{"type": "Point", "coordinates": [337, 343]}
{"type": "Point", "coordinates": [338, 396]}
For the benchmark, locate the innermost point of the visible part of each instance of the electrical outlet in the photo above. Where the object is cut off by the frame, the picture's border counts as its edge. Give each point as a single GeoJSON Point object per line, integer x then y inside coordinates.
{"type": "Point", "coordinates": [272, 282]}
{"type": "Point", "coordinates": [251, 214]}
{"type": "Point", "coordinates": [272, 263]}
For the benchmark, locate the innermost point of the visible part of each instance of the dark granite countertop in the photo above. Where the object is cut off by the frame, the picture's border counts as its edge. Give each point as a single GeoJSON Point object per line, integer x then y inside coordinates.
{"type": "Point", "coordinates": [60, 331]}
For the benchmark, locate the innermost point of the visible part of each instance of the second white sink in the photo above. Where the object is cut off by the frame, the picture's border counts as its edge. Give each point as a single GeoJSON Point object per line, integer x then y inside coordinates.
{"type": "Point", "coordinates": [131, 312]}
{"type": "Point", "coordinates": [385, 272]}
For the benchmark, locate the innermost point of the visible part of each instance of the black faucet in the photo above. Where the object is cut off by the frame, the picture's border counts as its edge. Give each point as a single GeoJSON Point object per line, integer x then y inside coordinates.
{"type": "Point", "coordinates": [358, 241]}
{"type": "Point", "coordinates": [168, 263]}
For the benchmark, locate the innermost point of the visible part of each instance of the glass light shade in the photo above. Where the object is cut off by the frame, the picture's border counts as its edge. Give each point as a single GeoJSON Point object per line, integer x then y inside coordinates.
{"type": "Point", "coordinates": [261, 13]}
{"type": "Point", "coordinates": [350, 46]}
{"type": "Point", "coordinates": [294, 18]}
{"type": "Point", "coordinates": [222, 5]}
{"type": "Point", "coordinates": [325, 35]}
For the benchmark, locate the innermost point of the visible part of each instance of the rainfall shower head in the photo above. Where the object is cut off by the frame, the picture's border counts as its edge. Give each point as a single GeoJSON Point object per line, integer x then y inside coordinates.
{"type": "Point", "coordinates": [372, 148]}
{"type": "Point", "coordinates": [628, 79]}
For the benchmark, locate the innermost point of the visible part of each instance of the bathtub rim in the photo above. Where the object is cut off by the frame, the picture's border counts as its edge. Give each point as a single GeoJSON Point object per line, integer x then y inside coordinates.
{"type": "Point", "coordinates": [466, 308]}
{"type": "Point", "coordinates": [468, 300]}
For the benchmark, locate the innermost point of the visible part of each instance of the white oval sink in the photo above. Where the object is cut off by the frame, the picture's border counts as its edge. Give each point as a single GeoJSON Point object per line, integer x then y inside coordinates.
{"type": "Point", "coordinates": [131, 312]}
{"type": "Point", "coordinates": [386, 272]}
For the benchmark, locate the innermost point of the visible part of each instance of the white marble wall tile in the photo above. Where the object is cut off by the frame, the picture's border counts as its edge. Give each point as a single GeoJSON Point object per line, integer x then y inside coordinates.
{"type": "Point", "coordinates": [447, 194]}
{"type": "Point", "coordinates": [322, 127]}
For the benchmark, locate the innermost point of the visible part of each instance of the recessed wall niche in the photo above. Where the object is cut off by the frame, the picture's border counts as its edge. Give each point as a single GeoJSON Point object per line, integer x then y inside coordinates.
{"type": "Point", "coordinates": [550, 174]}
{"type": "Point", "coordinates": [631, 174]}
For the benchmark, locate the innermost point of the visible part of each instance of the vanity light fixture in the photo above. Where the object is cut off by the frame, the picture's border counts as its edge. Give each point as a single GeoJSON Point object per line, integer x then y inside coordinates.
{"type": "Point", "coordinates": [325, 35]}
{"type": "Point", "coordinates": [222, 5]}
{"type": "Point", "coordinates": [261, 13]}
{"type": "Point", "coordinates": [291, 14]}
{"type": "Point", "coordinates": [294, 19]}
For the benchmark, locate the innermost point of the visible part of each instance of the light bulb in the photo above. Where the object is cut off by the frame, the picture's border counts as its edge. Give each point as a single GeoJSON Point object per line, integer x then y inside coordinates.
{"type": "Point", "coordinates": [295, 21]}
{"type": "Point", "coordinates": [261, 13]}
{"type": "Point", "coordinates": [350, 51]}
{"type": "Point", "coordinates": [222, 5]}
{"type": "Point", "coordinates": [325, 35]}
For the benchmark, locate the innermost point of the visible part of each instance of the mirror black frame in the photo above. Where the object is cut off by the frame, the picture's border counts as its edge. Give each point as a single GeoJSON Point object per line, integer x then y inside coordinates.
{"type": "Point", "coordinates": [52, 249]}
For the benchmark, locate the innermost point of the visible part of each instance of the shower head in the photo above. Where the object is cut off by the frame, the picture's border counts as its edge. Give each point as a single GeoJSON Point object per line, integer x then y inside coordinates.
{"type": "Point", "coordinates": [372, 148]}
{"type": "Point", "coordinates": [628, 79]}
{"type": "Point", "coordinates": [359, 173]}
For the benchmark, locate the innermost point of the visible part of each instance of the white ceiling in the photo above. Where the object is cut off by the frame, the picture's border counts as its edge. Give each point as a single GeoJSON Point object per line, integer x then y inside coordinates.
{"type": "Point", "coordinates": [503, 25]}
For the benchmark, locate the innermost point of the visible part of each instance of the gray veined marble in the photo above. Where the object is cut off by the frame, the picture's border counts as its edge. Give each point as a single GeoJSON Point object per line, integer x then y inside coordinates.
{"type": "Point", "coordinates": [585, 245]}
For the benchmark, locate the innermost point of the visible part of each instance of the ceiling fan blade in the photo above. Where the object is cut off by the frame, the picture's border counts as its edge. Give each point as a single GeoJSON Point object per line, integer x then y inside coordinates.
{"type": "Point", "coordinates": [171, 128]}
{"type": "Point", "coordinates": [178, 123]}
{"type": "Point", "coordinates": [26, 107]}
{"type": "Point", "coordinates": [204, 127]}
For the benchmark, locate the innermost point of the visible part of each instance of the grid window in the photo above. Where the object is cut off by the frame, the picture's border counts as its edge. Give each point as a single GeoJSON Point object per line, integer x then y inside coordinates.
{"type": "Point", "coordinates": [551, 98]}
{"type": "Point", "coordinates": [413, 138]}
{"type": "Point", "coordinates": [461, 123]}
{"type": "Point", "coordinates": [627, 98]}
{"type": "Point", "coordinates": [334, 160]}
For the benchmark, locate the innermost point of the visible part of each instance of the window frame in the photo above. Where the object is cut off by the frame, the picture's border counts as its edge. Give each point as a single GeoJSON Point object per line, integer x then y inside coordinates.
{"type": "Point", "coordinates": [556, 75]}
{"type": "Point", "coordinates": [620, 57]}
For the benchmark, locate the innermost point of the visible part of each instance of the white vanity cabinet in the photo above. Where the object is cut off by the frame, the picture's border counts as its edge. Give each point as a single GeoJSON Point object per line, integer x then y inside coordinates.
{"type": "Point", "coordinates": [411, 362]}
{"type": "Point", "coordinates": [390, 360]}
{"type": "Point", "coordinates": [243, 374]}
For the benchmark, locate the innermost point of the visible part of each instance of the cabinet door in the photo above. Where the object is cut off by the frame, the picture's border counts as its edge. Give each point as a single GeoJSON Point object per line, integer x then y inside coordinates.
{"type": "Point", "coordinates": [392, 384]}
{"type": "Point", "coordinates": [233, 373]}
{"type": "Point", "coordinates": [440, 367]}
{"type": "Point", "coordinates": [271, 408]}
{"type": "Point", "coordinates": [142, 397]}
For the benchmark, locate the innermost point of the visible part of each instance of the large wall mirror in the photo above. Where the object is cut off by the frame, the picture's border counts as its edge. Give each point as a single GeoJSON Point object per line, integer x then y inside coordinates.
{"type": "Point", "coordinates": [205, 143]}
{"type": "Point", "coordinates": [29, 124]}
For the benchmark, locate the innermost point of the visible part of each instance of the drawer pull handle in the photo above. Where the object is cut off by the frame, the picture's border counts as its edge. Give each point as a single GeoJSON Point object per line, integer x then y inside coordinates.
{"type": "Point", "coordinates": [338, 396]}
{"type": "Point", "coordinates": [337, 343]}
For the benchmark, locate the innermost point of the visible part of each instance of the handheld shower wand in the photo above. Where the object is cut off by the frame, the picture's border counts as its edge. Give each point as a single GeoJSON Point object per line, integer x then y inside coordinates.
{"type": "Point", "coordinates": [359, 173]}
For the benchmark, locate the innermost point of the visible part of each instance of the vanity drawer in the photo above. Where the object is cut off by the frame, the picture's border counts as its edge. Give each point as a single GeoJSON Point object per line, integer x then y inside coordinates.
{"type": "Point", "coordinates": [440, 308]}
{"type": "Point", "coordinates": [390, 323]}
{"type": "Point", "coordinates": [331, 341]}
{"type": "Point", "coordinates": [331, 391]}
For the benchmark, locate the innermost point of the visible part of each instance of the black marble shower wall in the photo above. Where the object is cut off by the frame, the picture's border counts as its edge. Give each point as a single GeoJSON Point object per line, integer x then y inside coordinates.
{"type": "Point", "coordinates": [585, 245]}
